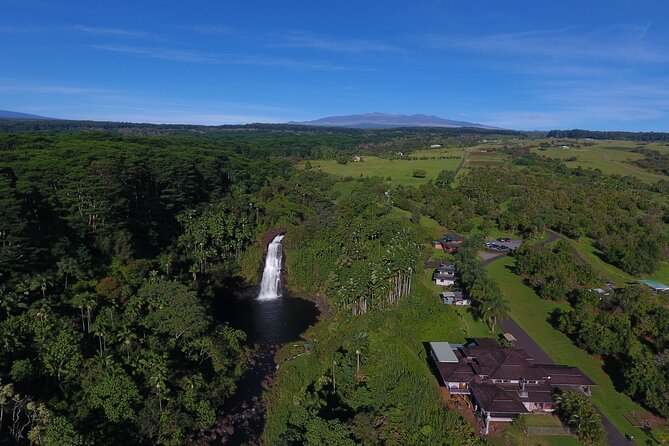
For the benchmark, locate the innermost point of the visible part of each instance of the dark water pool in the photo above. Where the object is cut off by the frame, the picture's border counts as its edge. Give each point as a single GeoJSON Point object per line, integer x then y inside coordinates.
{"type": "Point", "coordinates": [268, 325]}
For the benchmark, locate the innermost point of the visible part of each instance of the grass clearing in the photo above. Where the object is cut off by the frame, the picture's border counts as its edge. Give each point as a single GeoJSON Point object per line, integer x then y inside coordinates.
{"type": "Point", "coordinates": [399, 170]}
{"type": "Point", "coordinates": [533, 313]}
{"type": "Point", "coordinates": [585, 247]}
{"type": "Point", "coordinates": [610, 160]}
{"type": "Point", "coordinates": [661, 275]}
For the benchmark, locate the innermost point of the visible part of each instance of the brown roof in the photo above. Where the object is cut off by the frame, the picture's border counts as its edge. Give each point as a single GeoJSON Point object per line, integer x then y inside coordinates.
{"type": "Point", "coordinates": [536, 393]}
{"type": "Point", "coordinates": [494, 398]}
{"type": "Point", "coordinates": [564, 375]}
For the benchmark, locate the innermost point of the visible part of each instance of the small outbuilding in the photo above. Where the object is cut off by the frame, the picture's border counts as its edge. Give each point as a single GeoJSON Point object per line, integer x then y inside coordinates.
{"type": "Point", "coordinates": [656, 286]}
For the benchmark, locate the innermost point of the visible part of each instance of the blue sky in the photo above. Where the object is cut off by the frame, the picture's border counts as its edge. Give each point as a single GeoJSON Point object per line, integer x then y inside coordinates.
{"type": "Point", "coordinates": [514, 64]}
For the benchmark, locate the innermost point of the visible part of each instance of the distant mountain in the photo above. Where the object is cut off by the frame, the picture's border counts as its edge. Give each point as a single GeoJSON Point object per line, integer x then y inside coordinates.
{"type": "Point", "coordinates": [6, 114]}
{"type": "Point", "coordinates": [383, 120]}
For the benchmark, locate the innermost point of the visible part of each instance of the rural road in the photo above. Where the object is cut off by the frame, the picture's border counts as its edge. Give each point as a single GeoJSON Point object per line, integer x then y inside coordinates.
{"type": "Point", "coordinates": [524, 341]}
{"type": "Point", "coordinates": [462, 162]}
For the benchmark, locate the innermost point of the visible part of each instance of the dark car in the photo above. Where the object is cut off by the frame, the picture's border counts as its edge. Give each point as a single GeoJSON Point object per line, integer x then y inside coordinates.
{"type": "Point", "coordinates": [504, 239]}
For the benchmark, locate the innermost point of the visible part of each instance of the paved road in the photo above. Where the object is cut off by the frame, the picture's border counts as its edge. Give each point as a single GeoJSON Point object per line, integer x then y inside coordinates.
{"type": "Point", "coordinates": [552, 236]}
{"type": "Point", "coordinates": [524, 341]}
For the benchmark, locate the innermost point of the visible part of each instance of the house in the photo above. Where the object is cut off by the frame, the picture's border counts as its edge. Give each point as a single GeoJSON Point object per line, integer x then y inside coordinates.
{"type": "Point", "coordinates": [656, 286]}
{"type": "Point", "coordinates": [453, 238]}
{"type": "Point", "coordinates": [357, 158]}
{"type": "Point", "coordinates": [435, 146]}
{"type": "Point", "coordinates": [565, 147]}
{"type": "Point", "coordinates": [454, 298]}
{"type": "Point", "coordinates": [448, 243]}
{"type": "Point", "coordinates": [503, 382]}
{"type": "Point", "coordinates": [443, 277]}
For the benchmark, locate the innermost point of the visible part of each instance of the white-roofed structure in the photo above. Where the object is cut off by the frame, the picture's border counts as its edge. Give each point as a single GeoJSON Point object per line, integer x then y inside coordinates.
{"type": "Point", "coordinates": [443, 352]}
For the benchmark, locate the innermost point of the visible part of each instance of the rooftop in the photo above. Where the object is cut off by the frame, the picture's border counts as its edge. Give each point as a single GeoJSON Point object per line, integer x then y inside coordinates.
{"type": "Point", "coordinates": [444, 352]}
{"type": "Point", "coordinates": [655, 285]}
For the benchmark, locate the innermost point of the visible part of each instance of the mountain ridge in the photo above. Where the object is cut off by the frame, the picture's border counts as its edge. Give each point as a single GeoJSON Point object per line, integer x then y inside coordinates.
{"type": "Point", "coordinates": [8, 114]}
{"type": "Point", "coordinates": [385, 120]}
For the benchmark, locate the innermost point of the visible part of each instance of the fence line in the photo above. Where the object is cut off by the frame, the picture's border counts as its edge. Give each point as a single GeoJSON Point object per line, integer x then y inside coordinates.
{"type": "Point", "coordinates": [547, 430]}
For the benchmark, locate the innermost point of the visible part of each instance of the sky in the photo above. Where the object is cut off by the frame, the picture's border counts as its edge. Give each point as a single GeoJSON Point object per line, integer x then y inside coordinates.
{"type": "Point", "coordinates": [518, 64]}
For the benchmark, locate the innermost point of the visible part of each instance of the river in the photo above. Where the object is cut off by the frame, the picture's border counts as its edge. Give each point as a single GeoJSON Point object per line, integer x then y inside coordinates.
{"type": "Point", "coordinates": [270, 317]}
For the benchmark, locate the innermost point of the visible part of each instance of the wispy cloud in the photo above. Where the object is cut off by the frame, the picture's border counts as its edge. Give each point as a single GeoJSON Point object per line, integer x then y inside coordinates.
{"type": "Point", "coordinates": [160, 53]}
{"type": "Point", "coordinates": [569, 104]}
{"type": "Point", "coordinates": [212, 29]}
{"type": "Point", "coordinates": [231, 59]}
{"type": "Point", "coordinates": [302, 39]}
{"type": "Point", "coordinates": [117, 32]}
{"type": "Point", "coordinates": [9, 87]}
{"type": "Point", "coordinates": [26, 29]}
{"type": "Point", "coordinates": [621, 43]}
{"type": "Point", "coordinates": [291, 63]}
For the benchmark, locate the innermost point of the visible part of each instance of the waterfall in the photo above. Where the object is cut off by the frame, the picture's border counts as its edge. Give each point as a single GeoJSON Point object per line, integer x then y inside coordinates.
{"type": "Point", "coordinates": [270, 287]}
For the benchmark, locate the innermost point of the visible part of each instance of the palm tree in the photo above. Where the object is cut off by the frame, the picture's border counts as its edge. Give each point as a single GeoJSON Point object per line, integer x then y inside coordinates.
{"type": "Point", "coordinates": [493, 309]}
{"type": "Point", "coordinates": [482, 288]}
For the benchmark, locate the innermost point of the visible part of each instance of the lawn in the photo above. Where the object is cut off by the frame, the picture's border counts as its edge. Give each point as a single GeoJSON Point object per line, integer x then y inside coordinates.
{"type": "Point", "coordinates": [510, 435]}
{"type": "Point", "coordinates": [661, 275]}
{"type": "Point", "coordinates": [532, 314]}
{"type": "Point", "coordinates": [400, 171]}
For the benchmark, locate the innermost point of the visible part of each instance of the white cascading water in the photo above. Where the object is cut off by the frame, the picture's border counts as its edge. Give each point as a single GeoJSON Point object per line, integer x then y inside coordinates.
{"type": "Point", "coordinates": [270, 286]}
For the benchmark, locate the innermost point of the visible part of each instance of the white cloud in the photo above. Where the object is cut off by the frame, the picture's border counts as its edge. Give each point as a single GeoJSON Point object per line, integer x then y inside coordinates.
{"type": "Point", "coordinates": [622, 43]}
{"type": "Point", "coordinates": [116, 32]}
{"type": "Point", "coordinates": [302, 39]}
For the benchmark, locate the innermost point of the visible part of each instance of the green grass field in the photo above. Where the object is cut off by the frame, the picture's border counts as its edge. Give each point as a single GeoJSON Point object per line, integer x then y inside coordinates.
{"type": "Point", "coordinates": [610, 160]}
{"type": "Point", "coordinates": [532, 314]}
{"type": "Point", "coordinates": [661, 275]}
{"type": "Point", "coordinates": [605, 270]}
{"type": "Point", "coordinates": [400, 171]}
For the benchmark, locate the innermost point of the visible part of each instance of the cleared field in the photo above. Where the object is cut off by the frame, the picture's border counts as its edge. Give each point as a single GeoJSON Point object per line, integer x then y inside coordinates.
{"type": "Point", "coordinates": [589, 253]}
{"type": "Point", "coordinates": [399, 171]}
{"type": "Point", "coordinates": [661, 275]}
{"type": "Point", "coordinates": [438, 152]}
{"type": "Point", "coordinates": [533, 313]}
{"type": "Point", "coordinates": [611, 160]}
{"type": "Point", "coordinates": [477, 158]}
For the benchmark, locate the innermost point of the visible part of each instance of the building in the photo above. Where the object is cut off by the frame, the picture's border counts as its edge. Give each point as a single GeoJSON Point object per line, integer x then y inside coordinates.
{"type": "Point", "coordinates": [444, 274]}
{"type": "Point", "coordinates": [357, 158]}
{"type": "Point", "coordinates": [454, 298]}
{"type": "Point", "coordinates": [503, 382]}
{"type": "Point", "coordinates": [656, 286]}
{"type": "Point", "coordinates": [435, 146]}
{"type": "Point", "coordinates": [448, 243]}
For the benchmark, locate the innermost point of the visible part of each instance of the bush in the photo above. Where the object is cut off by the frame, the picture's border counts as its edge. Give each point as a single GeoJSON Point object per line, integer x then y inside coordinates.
{"type": "Point", "coordinates": [419, 173]}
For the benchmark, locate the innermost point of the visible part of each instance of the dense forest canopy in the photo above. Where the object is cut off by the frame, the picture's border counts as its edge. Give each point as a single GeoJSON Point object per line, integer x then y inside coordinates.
{"type": "Point", "coordinates": [116, 241]}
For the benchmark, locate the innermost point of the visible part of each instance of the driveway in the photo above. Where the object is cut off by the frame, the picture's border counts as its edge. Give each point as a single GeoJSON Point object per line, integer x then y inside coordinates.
{"type": "Point", "coordinates": [524, 341]}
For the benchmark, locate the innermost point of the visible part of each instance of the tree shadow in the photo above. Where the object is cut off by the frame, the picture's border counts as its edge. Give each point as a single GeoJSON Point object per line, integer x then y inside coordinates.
{"type": "Point", "coordinates": [554, 318]}
{"type": "Point", "coordinates": [612, 368]}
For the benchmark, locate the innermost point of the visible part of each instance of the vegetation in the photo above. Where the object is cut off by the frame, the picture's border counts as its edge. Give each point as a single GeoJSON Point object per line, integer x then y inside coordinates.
{"type": "Point", "coordinates": [535, 316]}
{"type": "Point", "coordinates": [116, 241]}
{"type": "Point", "coordinates": [490, 305]}
{"type": "Point", "coordinates": [627, 326]}
{"type": "Point", "coordinates": [578, 412]}
{"type": "Point", "coordinates": [553, 271]}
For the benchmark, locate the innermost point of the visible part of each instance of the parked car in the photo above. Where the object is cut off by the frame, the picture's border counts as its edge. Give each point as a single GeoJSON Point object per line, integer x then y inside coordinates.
{"type": "Point", "coordinates": [504, 239]}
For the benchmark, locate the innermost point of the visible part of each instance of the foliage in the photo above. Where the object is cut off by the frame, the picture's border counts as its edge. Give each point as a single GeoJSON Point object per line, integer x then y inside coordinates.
{"type": "Point", "coordinates": [553, 272]}
{"type": "Point", "coordinates": [579, 413]}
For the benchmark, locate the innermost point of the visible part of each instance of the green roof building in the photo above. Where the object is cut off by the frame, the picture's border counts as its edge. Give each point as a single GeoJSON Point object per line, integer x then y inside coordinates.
{"type": "Point", "coordinates": [655, 285]}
